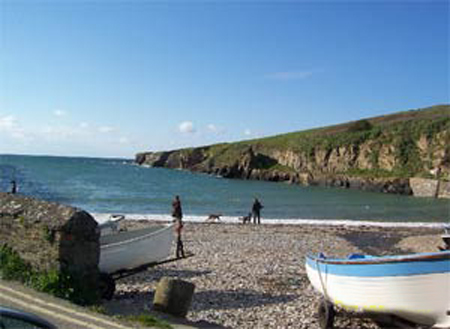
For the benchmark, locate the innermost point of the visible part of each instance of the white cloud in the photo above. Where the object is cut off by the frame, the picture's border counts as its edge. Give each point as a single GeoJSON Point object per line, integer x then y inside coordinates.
{"type": "Point", "coordinates": [59, 113]}
{"type": "Point", "coordinates": [18, 134]}
{"type": "Point", "coordinates": [55, 138]}
{"type": "Point", "coordinates": [106, 129]}
{"type": "Point", "coordinates": [248, 132]}
{"type": "Point", "coordinates": [8, 123]}
{"type": "Point", "coordinates": [58, 132]}
{"type": "Point", "coordinates": [212, 128]}
{"type": "Point", "coordinates": [123, 140]}
{"type": "Point", "coordinates": [186, 127]}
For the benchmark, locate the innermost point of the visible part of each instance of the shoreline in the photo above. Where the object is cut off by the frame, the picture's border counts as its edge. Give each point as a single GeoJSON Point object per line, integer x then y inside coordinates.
{"type": "Point", "coordinates": [102, 217]}
{"type": "Point", "coordinates": [253, 276]}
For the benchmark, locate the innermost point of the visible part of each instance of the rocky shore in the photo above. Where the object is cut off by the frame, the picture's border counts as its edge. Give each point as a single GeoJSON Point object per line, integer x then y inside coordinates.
{"type": "Point", "coordinates": [250, 276]}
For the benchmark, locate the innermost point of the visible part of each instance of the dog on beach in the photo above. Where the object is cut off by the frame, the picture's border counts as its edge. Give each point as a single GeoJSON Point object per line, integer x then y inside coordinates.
{"type": "Point", "coordinates": [246, 219]}
{"type": "Point", "coordinates": [213, 217]}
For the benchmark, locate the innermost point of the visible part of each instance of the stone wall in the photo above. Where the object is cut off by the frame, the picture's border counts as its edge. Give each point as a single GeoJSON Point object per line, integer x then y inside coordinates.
{"type": "Point", "coordinates": [51, 236]}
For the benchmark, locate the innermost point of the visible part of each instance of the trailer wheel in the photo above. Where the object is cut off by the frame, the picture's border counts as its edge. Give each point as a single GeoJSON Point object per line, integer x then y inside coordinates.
{"type": "Point", "coordinates": [326, 313]}
{"type": "Point", "coordinates": [393, 322]}
{"type": "Point", "coordinates": [107, 286]}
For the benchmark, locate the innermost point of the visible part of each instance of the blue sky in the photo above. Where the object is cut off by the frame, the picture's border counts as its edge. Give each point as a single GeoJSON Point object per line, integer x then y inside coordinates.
{"type": "Point", "coordinates": [119, 77]}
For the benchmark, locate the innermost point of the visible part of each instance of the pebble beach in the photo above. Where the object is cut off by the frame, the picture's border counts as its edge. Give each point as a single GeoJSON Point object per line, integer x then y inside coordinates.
{"type": "Point", "coordinates": [253, 276]}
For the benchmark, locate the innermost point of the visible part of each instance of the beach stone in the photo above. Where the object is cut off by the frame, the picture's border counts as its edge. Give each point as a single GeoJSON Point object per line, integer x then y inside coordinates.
{"type": "Point", "coordinates": [254, 277]}
{"type": "Point", "coordinates": [173, 296]}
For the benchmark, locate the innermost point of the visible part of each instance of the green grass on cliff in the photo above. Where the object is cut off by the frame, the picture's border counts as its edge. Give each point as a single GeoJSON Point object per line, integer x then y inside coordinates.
{"type": "Point", "coordinates": [413, 123]}
{"type": "Point", "coordinates": [401, 131]}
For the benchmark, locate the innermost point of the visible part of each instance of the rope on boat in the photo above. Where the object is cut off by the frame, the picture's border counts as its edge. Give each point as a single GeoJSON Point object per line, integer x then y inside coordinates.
{"type": "Point", "coordinates": [324, 289]}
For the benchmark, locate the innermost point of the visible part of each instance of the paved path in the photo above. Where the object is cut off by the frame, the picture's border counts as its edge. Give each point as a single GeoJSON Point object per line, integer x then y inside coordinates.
{"type": "Point", "coordinates": [60, 312]}
{"type": "Point", "coordinates": [57, 311]}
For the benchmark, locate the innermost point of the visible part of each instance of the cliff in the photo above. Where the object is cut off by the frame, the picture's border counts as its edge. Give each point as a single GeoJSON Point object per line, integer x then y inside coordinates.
{"type": "Point", "coordinates": [378, 154]}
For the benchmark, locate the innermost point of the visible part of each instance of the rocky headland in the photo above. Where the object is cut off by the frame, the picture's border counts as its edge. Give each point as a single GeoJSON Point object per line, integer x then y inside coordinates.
{"type": "Point", "coordinates": [403, 153]}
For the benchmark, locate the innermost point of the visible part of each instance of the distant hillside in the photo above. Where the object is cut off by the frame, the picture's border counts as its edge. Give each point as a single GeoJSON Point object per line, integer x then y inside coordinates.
{"type": "Point", "coordinates": [379, 153]}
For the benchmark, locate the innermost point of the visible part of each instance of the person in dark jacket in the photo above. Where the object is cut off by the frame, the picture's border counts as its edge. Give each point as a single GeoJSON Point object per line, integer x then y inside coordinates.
{"type": "Point", "coordinates": [256, 211]}
{"type": "Point", "coordinates": [177, 214]}
{"type": "Point", "coordinates": [13, 187]}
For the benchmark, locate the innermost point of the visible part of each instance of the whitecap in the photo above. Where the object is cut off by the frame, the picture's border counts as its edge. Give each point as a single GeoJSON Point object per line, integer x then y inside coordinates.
{"type": "Point", "coordinates": [102, 217]}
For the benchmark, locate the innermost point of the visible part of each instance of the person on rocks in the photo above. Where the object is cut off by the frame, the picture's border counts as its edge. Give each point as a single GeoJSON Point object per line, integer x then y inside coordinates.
{"type": "Point", "coordinates": [177, 214]}
{"type": "Point", "coordinates": [256, 211]}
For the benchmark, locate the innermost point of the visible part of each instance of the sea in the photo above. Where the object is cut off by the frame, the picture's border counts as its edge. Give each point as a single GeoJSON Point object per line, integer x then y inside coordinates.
{"type": "Point", "coordinates": [109, 187]}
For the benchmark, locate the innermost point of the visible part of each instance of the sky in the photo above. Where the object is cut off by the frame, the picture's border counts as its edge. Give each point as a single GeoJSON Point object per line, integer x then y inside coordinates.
{"type": "Point", "coordinates": [114, 78]}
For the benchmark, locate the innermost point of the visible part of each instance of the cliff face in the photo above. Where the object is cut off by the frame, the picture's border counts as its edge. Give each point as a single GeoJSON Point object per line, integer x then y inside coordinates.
{"type": "Point", "coordinates": [379, 154]}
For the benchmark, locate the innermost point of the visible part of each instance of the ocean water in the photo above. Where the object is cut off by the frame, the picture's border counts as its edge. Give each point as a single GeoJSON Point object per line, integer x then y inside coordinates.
{"type": "Point", "coordinates": [116, 186]}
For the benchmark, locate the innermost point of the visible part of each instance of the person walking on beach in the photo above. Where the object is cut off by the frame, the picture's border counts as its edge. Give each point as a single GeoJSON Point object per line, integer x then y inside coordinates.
{"type": "Point", "coordinates": [256, 211]}
{"type": "Point", "coordinates": [177, 214]}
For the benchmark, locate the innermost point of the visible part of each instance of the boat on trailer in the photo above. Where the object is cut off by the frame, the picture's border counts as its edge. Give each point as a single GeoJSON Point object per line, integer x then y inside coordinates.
{"type": "Point", "coordinates": [125, 253]}
{"type": "Point", "coordinates": [130, 249]}
{"type": "Point", "coordinates": [409, 289]}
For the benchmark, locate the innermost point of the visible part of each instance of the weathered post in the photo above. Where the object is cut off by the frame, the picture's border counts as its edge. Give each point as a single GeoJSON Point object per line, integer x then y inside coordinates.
{"type": "Point", "coordinates": [173, 296]}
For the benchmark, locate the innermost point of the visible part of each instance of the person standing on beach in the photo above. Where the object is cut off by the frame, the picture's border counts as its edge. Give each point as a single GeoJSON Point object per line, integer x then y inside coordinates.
{"type": "Point", "coordinates": [13, 187]}
{"type": "Point", "coordinates": [438, 179]}
{"type": "Point", "coordinates": [256, 211]}
{"type": "Point", "coordinates": [177, 214]}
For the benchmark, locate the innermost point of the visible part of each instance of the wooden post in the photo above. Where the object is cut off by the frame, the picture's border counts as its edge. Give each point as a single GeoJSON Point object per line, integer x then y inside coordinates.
{"type": "Point", "coordinates": [173, 296]}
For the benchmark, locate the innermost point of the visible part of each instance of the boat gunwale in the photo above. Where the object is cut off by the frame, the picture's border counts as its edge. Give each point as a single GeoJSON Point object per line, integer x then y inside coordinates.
{"type": "Point", "coordinates": [142, 237]}
{"type": "Point", "coordinates": [437, 256]}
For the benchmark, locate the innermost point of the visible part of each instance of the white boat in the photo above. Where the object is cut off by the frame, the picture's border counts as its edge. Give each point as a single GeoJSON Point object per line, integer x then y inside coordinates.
{"type": "Point", "coordinates": [131, 249]}
{"type": "Point", "coordinates": [415, 287]}
{"type": "Point", "coordinates": [112, 225]}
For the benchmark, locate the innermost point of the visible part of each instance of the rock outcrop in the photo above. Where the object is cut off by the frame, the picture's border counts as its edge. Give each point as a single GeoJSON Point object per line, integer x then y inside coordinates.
{"type": "Point", "coordinates": [52, 237]}
{"type": "Point", "coordinates": [424, 187]}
